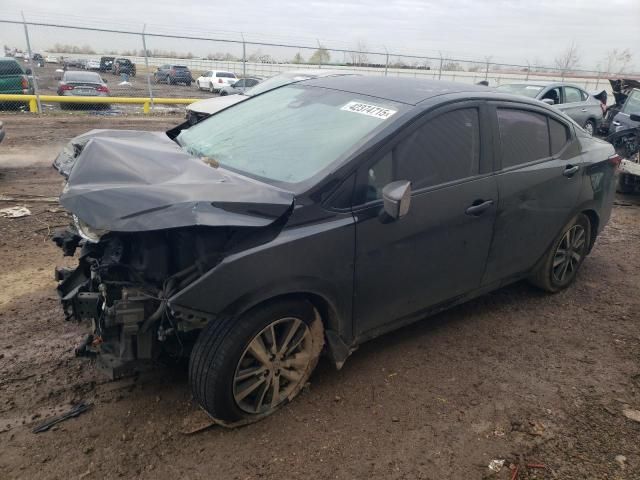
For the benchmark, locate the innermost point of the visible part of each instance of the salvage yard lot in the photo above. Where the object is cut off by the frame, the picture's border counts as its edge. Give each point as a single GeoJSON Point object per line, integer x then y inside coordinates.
{"type": "Point", "coordinates": [516, 375]}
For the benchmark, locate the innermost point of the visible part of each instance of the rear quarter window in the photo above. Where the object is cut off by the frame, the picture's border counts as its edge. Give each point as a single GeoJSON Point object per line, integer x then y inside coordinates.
{"type": "Point", "coordinates": [559, 134]}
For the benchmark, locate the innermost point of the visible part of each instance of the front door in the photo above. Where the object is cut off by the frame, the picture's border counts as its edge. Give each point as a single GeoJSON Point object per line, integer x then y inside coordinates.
{"type": "Point", "coordinates": [438, 250]}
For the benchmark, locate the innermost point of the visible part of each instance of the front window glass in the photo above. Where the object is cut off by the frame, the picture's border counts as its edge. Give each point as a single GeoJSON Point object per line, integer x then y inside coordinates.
{"type": "Point", "coordinates": [521, 89]}
{"type": "Point", "coordinates": [632, 105]}
{"type": "Point", "coordinates": [289, 134]}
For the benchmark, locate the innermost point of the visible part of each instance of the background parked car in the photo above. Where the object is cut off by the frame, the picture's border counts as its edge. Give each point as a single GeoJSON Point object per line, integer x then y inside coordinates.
{"type": "Point", "coordinates": [83, 84]}
{"type": "Point", "coordinates": [631, 105]}
{"type": "Point", "coordinates": [173, 74]}
{"type": "Point", "coordinates": [215, 80]}
{"type": "Point", "coordinates": [51, 59]}
{"type": "Point", "coordinates": [14, 79]}
{"type": "Point", "coordinates": [106, 63]}
{"type": "Point", "coordinates": [73, 63]}
{"type": "Point", "coordinates": [240, 86]}
{"type": "Point", "coordinates": [123, 65]}
{"type": "Point", "coordinates": [92, 64]}
{"type": "Point", "coordinates": [583, 108]}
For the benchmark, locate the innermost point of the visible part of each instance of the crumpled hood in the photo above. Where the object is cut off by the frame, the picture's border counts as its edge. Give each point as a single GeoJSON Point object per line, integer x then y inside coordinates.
{"type": "Point", "coordinates": [136, 181]}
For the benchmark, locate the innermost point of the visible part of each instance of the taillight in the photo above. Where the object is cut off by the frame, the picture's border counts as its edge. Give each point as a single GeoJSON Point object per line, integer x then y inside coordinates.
{"type": "Point", "coordinates": [66, 87]}
{"type": "Point", "coordinates": [25, 83]}
{"type": "Point", "coordinates": [615, 160]}
{"type": "Point", "coordinates": [219, 80]}
{"type": "Point", "coordinates": [103, 89]}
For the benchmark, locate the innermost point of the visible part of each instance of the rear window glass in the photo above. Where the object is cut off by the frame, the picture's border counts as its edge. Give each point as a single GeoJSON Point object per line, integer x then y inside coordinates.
{"type": "Point", "coordinates": [82, 77]}
{"type": "Point", "coordinates": [524, 136]}
{"type": "Point", "coordinates": [225, 75]}
{"type": "Point", "coordinates": [10, 68]}
{"type": "Point", "coordinates": [521, 89]}
{"type": "Point", "coordinates": [559, 136]}
{"type": "Point", "coordinates": [180, 67]}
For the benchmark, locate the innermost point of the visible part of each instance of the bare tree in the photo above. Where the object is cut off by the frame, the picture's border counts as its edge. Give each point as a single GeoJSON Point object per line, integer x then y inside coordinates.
{"type": "Point", "coordinates": [298, 58]}
{"type": "Point", "coordinates": [617, 61]}
{"type": "Point", "coordinates": [569, 59]}
{"type": "Point", "coordinates": [359, 57]}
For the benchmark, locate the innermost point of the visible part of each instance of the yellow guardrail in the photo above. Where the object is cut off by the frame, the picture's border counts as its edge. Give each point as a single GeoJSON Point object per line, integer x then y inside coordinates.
{"type": "Point", "coordinates": [144, 101]}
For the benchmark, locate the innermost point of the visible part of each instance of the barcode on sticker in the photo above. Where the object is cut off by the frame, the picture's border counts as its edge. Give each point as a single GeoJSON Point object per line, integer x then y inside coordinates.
{"type": "Point", "coordinates": [370, 110]}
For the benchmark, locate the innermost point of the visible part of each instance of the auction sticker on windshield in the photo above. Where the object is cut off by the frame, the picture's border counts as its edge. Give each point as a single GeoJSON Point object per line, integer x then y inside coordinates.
{"type": "Point", "coordinates": [370, 110]}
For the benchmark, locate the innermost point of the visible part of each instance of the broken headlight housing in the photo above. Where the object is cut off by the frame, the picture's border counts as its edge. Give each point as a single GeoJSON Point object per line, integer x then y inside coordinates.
{"type": "Point", "coordinates": [87, 232]}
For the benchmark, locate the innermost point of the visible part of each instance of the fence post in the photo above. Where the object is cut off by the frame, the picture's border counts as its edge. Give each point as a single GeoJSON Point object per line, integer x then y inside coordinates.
{"type": "Point", "coordinates": [146, 63]}
{"type": "Point", "coordinates": [386, 65]}
{"type": "Point", "coordinates": [244, 57]}
{"type": "Point", "coordinates": [319, 53]}
{"type": "Point", "coordinates": [598, 80]}
{"type": "Point", "coordinates": [440, 69]}
{"type": "Point", "coordinates": [33, 72]}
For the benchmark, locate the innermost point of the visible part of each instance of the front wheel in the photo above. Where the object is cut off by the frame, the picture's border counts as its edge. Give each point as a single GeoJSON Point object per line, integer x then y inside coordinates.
{"type": "Point", "coordinates": [243, 369]}
{"type": "Point", "coordinates": [223, 93]}
{"type": "Point", "coordinates": [560, 264]}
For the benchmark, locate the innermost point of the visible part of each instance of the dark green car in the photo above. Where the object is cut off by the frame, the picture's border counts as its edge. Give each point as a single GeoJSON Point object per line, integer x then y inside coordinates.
{"type": "Point", "coordinates": [14, 79]}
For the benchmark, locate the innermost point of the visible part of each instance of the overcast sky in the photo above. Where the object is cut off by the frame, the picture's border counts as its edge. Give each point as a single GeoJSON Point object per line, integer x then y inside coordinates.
{"type": "Point", "coordinates": [509, 31]}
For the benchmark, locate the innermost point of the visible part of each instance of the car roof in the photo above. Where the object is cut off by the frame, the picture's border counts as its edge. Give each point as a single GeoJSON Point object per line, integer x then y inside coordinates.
{"type": "Point", "coordinates": [404, 90]}
{"type": "Point", "coordinates": [545, 83]}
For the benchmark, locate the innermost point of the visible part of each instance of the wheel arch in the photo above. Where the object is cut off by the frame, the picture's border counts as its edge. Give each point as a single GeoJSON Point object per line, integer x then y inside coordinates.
{"type": "Point", "coordinates": [594, 220]}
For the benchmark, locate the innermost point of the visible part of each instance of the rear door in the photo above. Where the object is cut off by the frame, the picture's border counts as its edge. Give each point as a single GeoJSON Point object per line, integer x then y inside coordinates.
{"type": "Point", "coordinates": [539, 176]}
{"type": "Point", "coordinates": [438, 250]}
{"type": "Point", "coordinates": [575, 105]}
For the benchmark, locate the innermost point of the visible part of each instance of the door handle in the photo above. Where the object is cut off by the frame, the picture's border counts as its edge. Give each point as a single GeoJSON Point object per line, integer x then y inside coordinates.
{"type": "Point", "coordinates": [583, 110]}
{"type": "Point", "coordinates": [570, 170]}
{"type": "Point", "coordinates": [478, 207]}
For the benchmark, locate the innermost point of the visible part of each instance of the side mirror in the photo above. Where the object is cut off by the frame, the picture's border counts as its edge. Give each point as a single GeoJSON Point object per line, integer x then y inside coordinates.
{"type": "Point", "coordinates": [28, 71]}
{"type": "Point", "coordinates": [548, 101]}
{"type": "Point", "coordinates": [635, 117]}
{"type": "Point", "coordinates": [397, 198]}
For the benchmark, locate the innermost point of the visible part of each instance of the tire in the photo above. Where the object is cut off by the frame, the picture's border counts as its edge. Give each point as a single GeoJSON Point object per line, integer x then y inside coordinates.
{"type": "Point", "coordinates": [590, 127]}
{"type": "Point", "coordinates": [168, 80]}
{"type": "Point", "coordinates": [621, 185]}
{"type": "Point", "coordinates": [567, 252]}
{"type": "Point", "coordinates": [225, 349]}
{"type": "Point", "coordinates": [189, 84]}
{"type": "Point", "coordinates": [223, 93]}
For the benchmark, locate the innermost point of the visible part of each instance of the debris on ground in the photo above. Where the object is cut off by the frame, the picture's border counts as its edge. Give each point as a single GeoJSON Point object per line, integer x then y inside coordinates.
{"type": "Point", "coordinates": [77, 409]}
{"type": "Point", "coordinates": [15, 212]}
{"type": "Point", "coordinates": [632, 414]}
{"type": "Point", "coordinates": [496, 465]}
{"type": "Point", "coordinates": [621, 460]}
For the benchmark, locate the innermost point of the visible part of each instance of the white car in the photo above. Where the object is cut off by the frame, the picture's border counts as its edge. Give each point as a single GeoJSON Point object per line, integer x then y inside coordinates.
{"type": "Point", "coordinates": [92, 64]}
{"type": "Point", "coordinates": [214, 80]}
{"type": "Point", "coordinates": [50, 59]}
{"type": "Point", "coordinates": [202, 109]}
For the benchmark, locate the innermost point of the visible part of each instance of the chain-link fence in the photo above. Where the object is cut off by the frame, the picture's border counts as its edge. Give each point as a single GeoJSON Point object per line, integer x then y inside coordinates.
{"type": "Point", "coordinates": [73, 68]}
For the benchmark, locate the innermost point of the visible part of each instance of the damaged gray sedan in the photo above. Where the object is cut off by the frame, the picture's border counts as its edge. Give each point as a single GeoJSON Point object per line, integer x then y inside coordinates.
{"type": "Point", "coordinates": [314, 217]}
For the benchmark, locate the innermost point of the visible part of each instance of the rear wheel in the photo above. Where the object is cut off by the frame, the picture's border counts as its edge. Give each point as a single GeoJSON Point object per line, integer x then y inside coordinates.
{"type": "Point", "coordinates": [242, 369]}
{"type": "Point", "coordinates": [223, 93]}
{"type": "Point", "coordinates": [560, 265]}
{"type": "Point", "coordinates": [590, 127]}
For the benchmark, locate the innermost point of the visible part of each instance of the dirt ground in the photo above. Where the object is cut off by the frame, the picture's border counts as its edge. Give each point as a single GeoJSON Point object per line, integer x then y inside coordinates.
{"type": "Point", "coordinates": [516, 375]}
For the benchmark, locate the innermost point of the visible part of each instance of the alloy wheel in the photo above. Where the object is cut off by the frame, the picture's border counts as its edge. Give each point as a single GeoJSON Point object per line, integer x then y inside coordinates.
{"type": "Point", "coordinates": [589, 128]}
{"type": "Point", "coordinates": [569, 254]}
{"type": "Point", "coordinates": [273, 365]}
